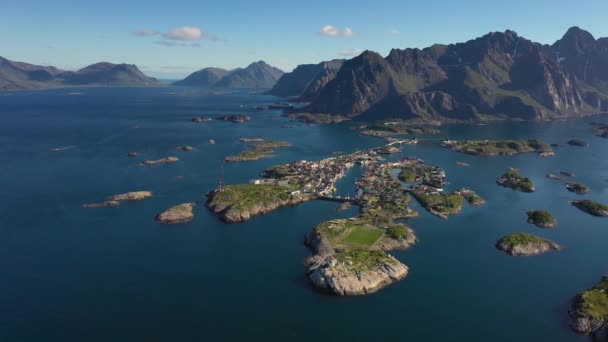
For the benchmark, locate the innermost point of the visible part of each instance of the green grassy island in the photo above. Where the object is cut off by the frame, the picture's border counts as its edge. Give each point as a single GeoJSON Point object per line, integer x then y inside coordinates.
{"type": "Point", "coordinates": [258, 149]}
{"type": "Point", "coordinates": [577, 188]}
{"type": "Point", "coordinates": [493, 147]}
{"type": "Point", "coordinates": [522, 244]}
{"type": "Point", "coordinates": [387, 129]}
{"type": "Point", "coordinates": [541, 218]}
{"type": "Point", "coordinates": [514, 180]}
{"type": "Point", "coordinates": [591, 207]}
{"type": "Point", "coordinates": [440, 204]}
{"type": "Point", "coordinates": [239, 202]}
{"type": "Point", "coordinates": [589, 311]}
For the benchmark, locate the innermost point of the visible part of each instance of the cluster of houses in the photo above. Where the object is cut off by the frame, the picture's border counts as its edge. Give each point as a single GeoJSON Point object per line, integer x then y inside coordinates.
{"type": "Point", "coordinates": [319, 177]}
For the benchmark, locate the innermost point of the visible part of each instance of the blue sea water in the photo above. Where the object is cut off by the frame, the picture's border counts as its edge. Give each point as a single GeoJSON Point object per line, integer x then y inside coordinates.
{"type": "Point", "coordinates": [114, 274]}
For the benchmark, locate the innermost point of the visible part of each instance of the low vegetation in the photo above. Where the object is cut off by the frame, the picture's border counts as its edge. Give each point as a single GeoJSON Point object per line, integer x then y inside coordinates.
{"type": "Point", "coordinates": [541, 218]}
{"type": "Point", "coordinates": [257, 150]}
{"type": "Point", "coordinates": [593, 303]}
{"type": "Point", "coordinates": [591, 207]}
{"type": "Point", "coordinates": [492, 148]}
{"type": "Point", "coordinates": [514, 180]}
{"type": "Point", "coordinates": [243, 196]}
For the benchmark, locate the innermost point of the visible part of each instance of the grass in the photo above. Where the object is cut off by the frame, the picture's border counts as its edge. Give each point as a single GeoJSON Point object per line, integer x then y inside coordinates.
{"type": "Point", "coordinates": [270, 144]}
{"type": "Point", "coordinates": [591, 207]}
{"type": "Point", "coordinates": [363, 260]}
{"type": "Point", "coordinates": [250, 155]}
{"type": "Point", "coordinates": [513, 179]}
{"type": "Point", "coordinates": [244, 196]}
{"type": "Point", "coordinates": [398, 232]}
{"type": "Point", "coordinates": [518, 239]}
{"type": "Point", "coordinates": [594, 302]}
{"type": "Point", "coordinates": [408, 175]}
{"type": "Point", "coordinates": [361, 236]}
{"type": "Point", "coordinates": [501, 147]}
{"type": "Point", "coordinates": [541, 218]}
{"type": "Point", "coordinates": [444, 203]}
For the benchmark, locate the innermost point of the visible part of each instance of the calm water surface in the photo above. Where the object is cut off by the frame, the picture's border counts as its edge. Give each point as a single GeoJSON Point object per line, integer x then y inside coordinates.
{"type": "Point", "coordinates": [114, 274]}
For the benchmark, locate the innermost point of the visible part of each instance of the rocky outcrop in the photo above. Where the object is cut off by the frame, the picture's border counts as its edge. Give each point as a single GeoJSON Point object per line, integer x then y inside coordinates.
{"type": "Point", "coordinates": [591, 207]}
{"type": "Point", "coordinates": [101, 204]}
{"type": "Point", "coordinates": [166, 160]}
{"type": "Point", "coordinates": [342, 277]}
{"type": "Point", "coordinates": [235, 118]}
{"type": "Point", "coordinates": [178, 214]}
{"type": "Point", "coordinates": [132, 196]}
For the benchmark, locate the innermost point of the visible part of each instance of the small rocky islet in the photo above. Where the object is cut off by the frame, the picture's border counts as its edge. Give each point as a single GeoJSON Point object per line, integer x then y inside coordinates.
{"type": "Point", "coordinates": [522, 244]}
{"type": "Point", "coordinates": [577, 188]}
{"type": "Point", "coordinates": [180, 213]}
{"type": "Point", "coordinates": [166, 160]}
{"type": "Point", "coordinates": [234, 118]}
{"type": "Point", "coordinates": [591, 207]}
{"type": "Point", "coordinates": [115, 200]}
{"type": "Point", "coordinates": [577, 142]}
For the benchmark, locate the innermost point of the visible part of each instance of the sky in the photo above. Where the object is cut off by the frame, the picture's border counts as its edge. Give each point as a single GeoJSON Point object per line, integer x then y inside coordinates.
{"type": "Point", "coordinates": [170, 39]}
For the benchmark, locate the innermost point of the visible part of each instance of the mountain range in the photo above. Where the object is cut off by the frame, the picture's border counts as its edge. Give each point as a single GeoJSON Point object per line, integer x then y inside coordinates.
{"type": "Point", "coordinates": [18, 75]}
{"type": "Point", "coordinates": [255, 75]}
{"type": "Point", "coordinates": [497, 76]}
{"type": "Point", "coordinates": [305, 81]}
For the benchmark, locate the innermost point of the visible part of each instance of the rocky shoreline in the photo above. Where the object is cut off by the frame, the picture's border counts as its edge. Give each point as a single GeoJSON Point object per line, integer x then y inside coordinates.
{"type": "Point", "coordinates": [350, 272]}
{"type": "Point", "coordinates": [180, 213]}
{"type": "Point", "coordinates": [589, 310]}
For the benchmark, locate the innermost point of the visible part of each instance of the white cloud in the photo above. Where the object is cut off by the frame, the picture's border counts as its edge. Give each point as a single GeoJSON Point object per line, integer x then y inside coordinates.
{"type": "Point", "coordinates": [393, 32]}
{"type": "Point", "coordinates": [145, 33]}
{"type": "Point", "coordinates": [186, 33]}
{"type": "Point", "coordinates": [332, 31]}
{"type": "Point", "coordinates": [350, 52]}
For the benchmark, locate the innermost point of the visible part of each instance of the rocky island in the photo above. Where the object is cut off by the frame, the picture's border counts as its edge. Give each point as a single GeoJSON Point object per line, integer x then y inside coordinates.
{"type": "Point", "coordinates": [521, 244]}
{"type": "Point", "coordinates": [577, 142]}
{"type": "Point", "coordinates": [600, 129]}
{"type": "Point", "coordinates": [177, 214]}
{"type": "Point", "coordinates": [240, 202]}
{"type": "Point", "coordinates": [577, 188]}
{"type": "Point", "coordinates": [591, 207]}
{"type": "Point", "coordinates": [589, 311]}
{"type": "Point", "coordinates": [502, 147]}
{"type": "Point", "coordinates": [166, 160]}
{"type": "Point", "coordinates": [541, 218]}
{"type": "Point", "coordinates": [235, 118]}
{"type": "Point", "coordinates": [393, 128]}
{"type": "Point", "coordinates": [201, 119]}
{"type": "Point", "coordinates": [115, 200]}
{"type": "Point", "coordinates": [514, 180]}
{"type": "Point", "coordinates": [184, 148]}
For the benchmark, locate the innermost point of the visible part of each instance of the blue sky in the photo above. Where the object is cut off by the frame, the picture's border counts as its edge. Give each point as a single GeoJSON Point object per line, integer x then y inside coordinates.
{"type": "Point", "coordinates": [177, 37]}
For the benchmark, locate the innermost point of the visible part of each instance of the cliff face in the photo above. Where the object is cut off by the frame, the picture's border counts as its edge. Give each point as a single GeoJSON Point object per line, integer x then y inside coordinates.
{"type": "Point", "coordinates": [305, 81]}
{"type": "Point", "coordinates": [18, 75]}
{"type": "Point", "coordinates": [498, 76]}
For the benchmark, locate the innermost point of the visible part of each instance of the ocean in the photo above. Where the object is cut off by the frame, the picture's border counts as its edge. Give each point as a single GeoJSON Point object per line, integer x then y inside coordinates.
{"type": "Point", "coordinates": [114, 274]}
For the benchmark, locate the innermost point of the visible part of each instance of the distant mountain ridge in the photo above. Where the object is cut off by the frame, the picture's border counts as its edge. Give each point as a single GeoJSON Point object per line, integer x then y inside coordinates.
{"type": "Point", "coordinates": [19, 75]}
{"type": "Point", "coordinates": [498, 76]}
{"type": "Point", "coordinates": [255, 75]}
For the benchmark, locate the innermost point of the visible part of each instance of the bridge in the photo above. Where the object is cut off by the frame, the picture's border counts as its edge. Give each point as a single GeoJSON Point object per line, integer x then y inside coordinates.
{"type": "Point", "coordinates": [340, 199]}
